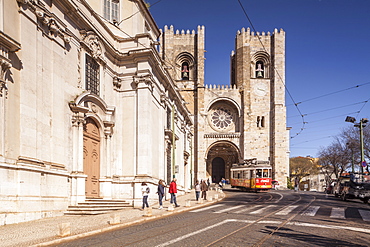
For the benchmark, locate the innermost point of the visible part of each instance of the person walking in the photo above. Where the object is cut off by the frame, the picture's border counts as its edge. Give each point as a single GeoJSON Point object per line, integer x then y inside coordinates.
{"type": "Point", "coordinates": [160, 193]}
{"type": "Point", "coordinates": [173, 191]}
{"type": "Point", "coordinates": [145, 190]}
{"type": "Point", "coordinates": [204, 188]}
{"type": "Point", "coordinates": [197, 190]}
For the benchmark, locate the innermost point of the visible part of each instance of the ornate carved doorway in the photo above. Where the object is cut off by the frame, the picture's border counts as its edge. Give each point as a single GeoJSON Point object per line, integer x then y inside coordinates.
{"type": "Point", "coordinates": [91, 158]}
{"type": "Point", "coordinates": [220, 157]}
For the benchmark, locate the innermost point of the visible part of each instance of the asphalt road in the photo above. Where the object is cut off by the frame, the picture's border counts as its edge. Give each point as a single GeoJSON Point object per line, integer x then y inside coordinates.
{"type": "Point", "coordinates": [275, 218]}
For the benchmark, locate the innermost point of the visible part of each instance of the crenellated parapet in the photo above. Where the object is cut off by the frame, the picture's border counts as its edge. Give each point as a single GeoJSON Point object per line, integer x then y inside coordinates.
{"type": "Point", "coordinates": [221, 87]}
{"type": "Point", "coordinates": [170, 30]}
{"type": "Point", "coordinates": [249, 33]}
{"type": "Point", "coordinates": [247, 36]}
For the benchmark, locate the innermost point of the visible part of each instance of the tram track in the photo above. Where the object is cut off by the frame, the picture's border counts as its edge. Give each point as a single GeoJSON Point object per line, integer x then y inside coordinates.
{"type": "Point", "coordinates": [188, 221]}
{"type": "Point", "coordinates": [141, 235]}
{"type": "Point", "coordinates": [255, 222]}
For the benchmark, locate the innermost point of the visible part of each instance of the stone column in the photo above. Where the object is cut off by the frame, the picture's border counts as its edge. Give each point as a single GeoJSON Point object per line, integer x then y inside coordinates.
{"type": "Point", "coordinates": [144, 87]}
{"type": "Point", "coordinates": [106, 178]}
{"type": "Point", "coordinates": [77, 175]}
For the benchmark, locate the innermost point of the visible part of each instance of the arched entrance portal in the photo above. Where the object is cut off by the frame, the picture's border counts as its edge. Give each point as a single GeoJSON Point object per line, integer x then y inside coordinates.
{"type": "Point", "coordinates": [91, 158]}
{"type": "Point", "coordinates": [218, 169]}
{"type": "Point", "coordinates": [220, 158]}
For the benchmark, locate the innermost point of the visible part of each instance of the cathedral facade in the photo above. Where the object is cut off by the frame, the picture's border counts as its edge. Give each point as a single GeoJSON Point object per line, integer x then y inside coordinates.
{"type": "Point", "coordinates": [243, 120]}
{"type": "Point", "coordinates": [95, 100]}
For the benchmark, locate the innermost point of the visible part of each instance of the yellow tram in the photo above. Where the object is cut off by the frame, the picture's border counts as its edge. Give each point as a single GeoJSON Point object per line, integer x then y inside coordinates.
{"type": "Point", "coordinates": [256, 176]}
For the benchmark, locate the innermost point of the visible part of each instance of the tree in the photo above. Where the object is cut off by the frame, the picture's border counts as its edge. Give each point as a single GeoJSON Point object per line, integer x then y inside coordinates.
{"type": "Point", "coordinates": [301, 167]}
{"type": "Point", "coordinates": [334, 159]}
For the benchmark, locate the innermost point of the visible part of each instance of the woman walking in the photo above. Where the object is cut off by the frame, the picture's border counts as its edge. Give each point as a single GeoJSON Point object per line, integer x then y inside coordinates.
{"type": "Point", "coordinates": [197, 190]}
{"type": "Point", "coordinates": [160, 193]}
{"type": "Point", "coordinates": [145, 190]}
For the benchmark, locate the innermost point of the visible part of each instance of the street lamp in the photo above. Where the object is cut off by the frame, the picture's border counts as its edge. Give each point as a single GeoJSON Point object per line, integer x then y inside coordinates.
{"type": "Point", "coordinates": [360, 125]}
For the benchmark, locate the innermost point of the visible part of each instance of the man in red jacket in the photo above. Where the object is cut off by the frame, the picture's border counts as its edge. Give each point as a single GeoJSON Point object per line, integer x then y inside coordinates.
{"type": "Point", "coordinates": [173, 191]}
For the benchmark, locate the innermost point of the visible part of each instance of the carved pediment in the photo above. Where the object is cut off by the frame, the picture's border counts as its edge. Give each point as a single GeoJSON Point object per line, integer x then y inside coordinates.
{"type": "Point", "coordinates": [92, 44]}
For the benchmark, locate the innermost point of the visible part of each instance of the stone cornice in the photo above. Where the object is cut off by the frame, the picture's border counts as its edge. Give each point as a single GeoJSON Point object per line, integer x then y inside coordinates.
{"type": "Point", "coordinates": [222, 136]}
{"type": "Point", "coordinates": [9, 43]}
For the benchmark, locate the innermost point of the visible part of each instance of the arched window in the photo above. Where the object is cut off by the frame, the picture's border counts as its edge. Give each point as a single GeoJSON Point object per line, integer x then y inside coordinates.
{"type": "Point", "coordinates": [260, 73]}
{"type": "Point", "coordinates": [185, 71]}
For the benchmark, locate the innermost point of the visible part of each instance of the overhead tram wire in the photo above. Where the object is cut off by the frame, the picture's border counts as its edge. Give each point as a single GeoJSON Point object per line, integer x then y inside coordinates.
{"type": "Point", "coordinates": [136, 13]}
{"type": "Point", "coordinates": [334, 108]}
{"type": "Point", "coordinates": [277, 72]}
{"type": "Point", "coordinates": [328, 94]}
{"type": "Point", "coordinates": [362, 107]}
{"type": "Point", "coordinates": [312, 140]}
{"type": "Point", "coordinates": [331, 117]}
{"type": "Point", "coordinates": [144, 46]}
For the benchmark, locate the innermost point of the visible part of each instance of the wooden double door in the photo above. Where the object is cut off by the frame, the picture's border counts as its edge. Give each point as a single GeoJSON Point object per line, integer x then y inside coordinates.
{"type": "Point", "coordinates": [91, 140]}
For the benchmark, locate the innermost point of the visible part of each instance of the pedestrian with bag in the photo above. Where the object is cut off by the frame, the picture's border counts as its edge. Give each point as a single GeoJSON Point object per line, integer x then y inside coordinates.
{"type": "Point", "coordinates": [160, 193]}
{"type": "Point", "coordinates": [145, 190]}
{"type": "Point", "coordinates": [204, 188]}
{"type": "Point", "coordinates": [197, 190]}
{"type": "Point", "coordinates": [173, 191]}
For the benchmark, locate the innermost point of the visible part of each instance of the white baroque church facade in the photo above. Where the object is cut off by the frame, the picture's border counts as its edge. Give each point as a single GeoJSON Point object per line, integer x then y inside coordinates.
{"type": "Point", "coordinates": [91, 107]}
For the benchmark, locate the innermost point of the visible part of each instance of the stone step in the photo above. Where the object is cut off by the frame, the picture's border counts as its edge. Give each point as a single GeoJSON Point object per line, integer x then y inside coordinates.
{"type": "Point", "coordinates": [97, 206]}
{"type": "Point", "coordinates": [81, 212]}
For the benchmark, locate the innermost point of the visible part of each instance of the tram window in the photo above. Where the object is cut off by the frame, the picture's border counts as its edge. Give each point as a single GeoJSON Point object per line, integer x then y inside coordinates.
{"type": "Point", "coordinates": [265, 173]}
{"type": "Point", "coordinates": [245, 174]}
{"type": "Point", "coordinates": [259, 173]}
{"type": "Point", "coordinates": [236, 174]}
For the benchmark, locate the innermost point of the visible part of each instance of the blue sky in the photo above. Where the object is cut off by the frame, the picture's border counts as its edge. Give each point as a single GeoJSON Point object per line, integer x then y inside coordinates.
{"type": "Point", "coordinates": [327, 55]}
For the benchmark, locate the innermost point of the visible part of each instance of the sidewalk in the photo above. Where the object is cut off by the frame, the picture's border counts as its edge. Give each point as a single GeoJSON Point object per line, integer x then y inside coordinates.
{"type": "Point", "coordinates": [46, 231]}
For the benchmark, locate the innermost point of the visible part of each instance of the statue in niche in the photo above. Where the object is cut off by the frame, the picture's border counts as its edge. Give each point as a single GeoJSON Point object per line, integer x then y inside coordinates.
{"type": "Point", "coordinates": [259, 70]}
{"type": "Point", "coordinates": [185, 71]}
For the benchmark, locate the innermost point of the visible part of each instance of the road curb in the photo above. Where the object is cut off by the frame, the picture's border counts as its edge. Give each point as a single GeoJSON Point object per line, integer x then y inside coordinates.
{"type": "Point", "coordinates": [121, 225]}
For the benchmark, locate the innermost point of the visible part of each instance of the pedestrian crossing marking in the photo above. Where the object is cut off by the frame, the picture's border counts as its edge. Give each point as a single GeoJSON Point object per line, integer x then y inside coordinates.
{"type": "Point", "coordinates": [311, 211]}
{"type": "Point", "coordinates": [229, 209]}
{"type": "Point", "coordinates": [337, 213]}
{"type": "Point", "coordinates": [365, 214]}
{"type": "Point", "coordinates": [246, 209]}
{"type": "Point", "coordinates": [287, 210]}
{"type": "Point", "coordinates": [206, 208]}
{"type": "Point", "coordinates": [258, 211]}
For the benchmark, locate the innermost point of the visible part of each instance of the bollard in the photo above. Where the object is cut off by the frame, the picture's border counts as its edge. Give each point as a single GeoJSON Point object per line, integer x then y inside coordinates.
{"type": "Point", "coordinates": [200, 201]}
{"type": "Point", "coordinates": [209, 199]}
{"type": "Point", "coordinates": [148, 212]}
{"type": "Point", "coordinates": [216, 197]}
{"type": "Point", "coordinates": [115, 219]}
{"type": "Point", "coordinates": [187, 203]}
{"type": "Point", "coordinates": [170, 207]}
{"type": "Point", "coordinates": [64, 229]}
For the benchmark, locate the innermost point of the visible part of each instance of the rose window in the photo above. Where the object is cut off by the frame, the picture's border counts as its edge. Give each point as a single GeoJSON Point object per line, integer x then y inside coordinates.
{"type": "Point", "coordinates": [221, 118]}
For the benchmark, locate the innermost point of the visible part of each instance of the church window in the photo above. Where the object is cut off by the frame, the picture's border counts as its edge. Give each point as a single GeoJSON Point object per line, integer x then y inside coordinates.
{"type": "Point", "coordinates": [111, 10]}
{"type": "Point", "coordinates": [185, 71]}
{"type": "Point", "coordinates": [259, 70]}
{"type": "Point", "coordinates": [262, 121]}
{"type": "Point", "coordinates": [92, 75]}
{"type": "Point", "coordinates": [222, 118]}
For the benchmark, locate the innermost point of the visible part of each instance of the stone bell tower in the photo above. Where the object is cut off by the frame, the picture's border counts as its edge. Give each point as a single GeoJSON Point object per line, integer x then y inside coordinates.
{"type": "Point", "coordinates": [183, 53]}
{"type": "Point", "coordinates": [258, 70]}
